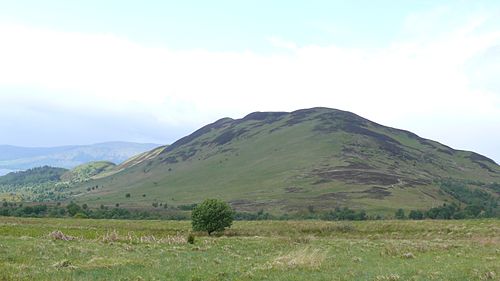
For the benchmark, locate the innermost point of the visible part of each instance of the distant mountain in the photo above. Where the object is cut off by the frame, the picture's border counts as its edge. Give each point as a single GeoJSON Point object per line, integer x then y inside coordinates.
{"type": "Point", "coordinates": [317, 158]}
{"type": "Point", "coordinates": [14, 158]}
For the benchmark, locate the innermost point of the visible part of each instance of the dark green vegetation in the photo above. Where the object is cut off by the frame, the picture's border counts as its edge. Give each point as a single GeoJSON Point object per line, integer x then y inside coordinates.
{"type": "Point", "coordinates": [284, 163]}
{"type": "Point", "coordinates": [33, 176]}
{"type": "Point", "coordinates": [37, 185]}
{"type": "Point", "coordinates": [73, 210]}
{"type": "Point", "coordinates": [202, 220]}
{"type": "Point", "coordinates": [45, 184]}
{"type": "Point", "coordinates": [22, 158]}
{"type": "Point", "coordinates": [73, 249]}
{"type": "Point", "coordinates": [212, 215]}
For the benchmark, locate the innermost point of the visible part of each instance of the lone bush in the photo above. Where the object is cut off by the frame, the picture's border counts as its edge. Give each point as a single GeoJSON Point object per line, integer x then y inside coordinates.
{"type": "Point", "coordinates": [400, 214]}
{"type": "Point", "coordinates": [212, 215]}
{"type": "Point", "coordinates": [190, 238]}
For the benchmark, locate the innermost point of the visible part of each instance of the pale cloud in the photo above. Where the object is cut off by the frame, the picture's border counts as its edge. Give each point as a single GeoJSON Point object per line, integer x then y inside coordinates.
{"type": "Point", "coordinates": [104, 73]}
{"type": "Point", "coordinates": [280, 43]}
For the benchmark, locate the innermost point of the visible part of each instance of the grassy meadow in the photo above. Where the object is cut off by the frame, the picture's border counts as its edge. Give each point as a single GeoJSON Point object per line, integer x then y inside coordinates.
{"type": "Point", "coordinates": [83, 249]}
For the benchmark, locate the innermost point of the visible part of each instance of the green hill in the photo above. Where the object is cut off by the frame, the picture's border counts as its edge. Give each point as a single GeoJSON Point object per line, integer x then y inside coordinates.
{"type": "Point", "coordinates": [135, 160]}
{"type": "Point", "coordinates": [281, 162]}
{"type": "Point", "coordinates": [85, 172]}
{"type": "Point", "coordinates": [35, 176]}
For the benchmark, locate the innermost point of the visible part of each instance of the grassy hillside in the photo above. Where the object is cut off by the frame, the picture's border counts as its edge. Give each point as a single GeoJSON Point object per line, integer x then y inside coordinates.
{"type": "Point", "coordinates": [35, 249]}
{"type": "Point", "coordinates": [285, 162]}
{"type": "Point", "coordinates": [39, 175]}
{"type": "Point", "coordinates": [133, 161]}
{"type": "Point", "coordinates": [86, 171]}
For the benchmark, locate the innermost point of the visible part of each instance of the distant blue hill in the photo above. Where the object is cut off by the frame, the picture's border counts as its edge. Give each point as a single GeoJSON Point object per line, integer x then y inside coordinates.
{"type": "Point", "coordinates": [14, 158]}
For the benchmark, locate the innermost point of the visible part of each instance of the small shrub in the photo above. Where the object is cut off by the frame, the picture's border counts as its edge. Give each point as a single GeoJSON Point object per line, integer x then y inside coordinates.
{"type": "Point", "coordinates": [190, 238]}
{"type": "Point", "coordinates": [400, 214]}
{"type": "Point", "coordinates": [80, 215]}
{"type": "Point", "coordinates": [416, 215]}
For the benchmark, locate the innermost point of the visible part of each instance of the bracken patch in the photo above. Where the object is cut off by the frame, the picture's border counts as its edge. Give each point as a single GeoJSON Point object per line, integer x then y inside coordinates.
{"type": "Point", "coordinates": [58, 235]}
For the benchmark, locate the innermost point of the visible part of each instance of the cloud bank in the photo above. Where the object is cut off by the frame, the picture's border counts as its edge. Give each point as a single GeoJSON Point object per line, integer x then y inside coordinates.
{"type": "Point", "coordinates": [442, 86]}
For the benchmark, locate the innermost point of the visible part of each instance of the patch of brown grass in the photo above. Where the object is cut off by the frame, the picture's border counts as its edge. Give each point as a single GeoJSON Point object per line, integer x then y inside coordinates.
{"type": "Point", "coordinates": [58, 235]}
{"type": "Point", "coordinates": [303, 258]}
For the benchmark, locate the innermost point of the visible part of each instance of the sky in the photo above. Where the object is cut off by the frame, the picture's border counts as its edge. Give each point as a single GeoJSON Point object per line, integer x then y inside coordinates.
{"type": "Point", "coordinates": [81, 72]}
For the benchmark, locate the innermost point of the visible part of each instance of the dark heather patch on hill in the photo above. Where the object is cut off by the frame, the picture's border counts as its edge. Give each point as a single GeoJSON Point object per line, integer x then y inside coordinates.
{"type": "Point", "coordinates": [359, 177]}
{"type": "Point", "coordinates": [356, 165]}
{"type": "Point", "coordinates": [169, 160]}
{"type": "Point", "coordinates": [438, 146]}
{"type": "Point", "coordinates": [198, 133]}
{"type": "Point", "coordinates": [300, 116]}
{"type": "Point", "coordinates": [381, 138]}
{"type": "Point", "coordinates": [339, 196]}
{"type": "Point", "coordinates": [261, 118]}
{"type": "Point", "coordinates": [484, 166]}
{"type": "Point", "coordinates": [293, 189]}
{"type": "Point", "coordinates": [477, 157]}
{"type": "Point", "coordinates": [392, 149]}
{"type": "Point", "coordinates": [343, 117]}
{"type": "Point", "coordinates": [407, 182]}
{"type": "Point", "coordinates": [365, 177]}
{"type": "Point", "coordinates": [375, 192]}
{"type": "Point", "coordinates": [350, 123]}
{"type": "Point", "coordinates": [228, 136]}
{"type": "Point", "coordinates": [267, 117]}
{"type": "Point", "coordinates": [186, 154]}
{"type": "Point", "coordinates": [353, 124]}
{"type": "Point", "coordinates": [447, 151]}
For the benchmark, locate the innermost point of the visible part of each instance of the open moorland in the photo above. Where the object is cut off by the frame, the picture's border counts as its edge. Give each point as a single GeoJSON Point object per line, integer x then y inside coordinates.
{"type": "Point", "coordinates": [84, 249]}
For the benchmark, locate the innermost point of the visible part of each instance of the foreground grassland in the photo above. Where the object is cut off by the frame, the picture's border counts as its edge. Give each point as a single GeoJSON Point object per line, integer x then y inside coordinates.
{"type": "Point", "coordinates": [267, 250]}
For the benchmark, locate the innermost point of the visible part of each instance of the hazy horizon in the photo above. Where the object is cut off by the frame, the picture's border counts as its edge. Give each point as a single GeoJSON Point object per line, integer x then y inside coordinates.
{"type": "Point", "coordinates": [86, 72]}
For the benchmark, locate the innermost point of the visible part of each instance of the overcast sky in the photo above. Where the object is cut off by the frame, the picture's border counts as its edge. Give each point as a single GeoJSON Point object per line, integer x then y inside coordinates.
{"type": "Point", "coordinates": [79, 72]}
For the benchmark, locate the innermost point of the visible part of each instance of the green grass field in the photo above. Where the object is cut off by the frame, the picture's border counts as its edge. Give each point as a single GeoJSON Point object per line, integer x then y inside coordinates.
{"type": "Point", "coordinates": [267, 250]}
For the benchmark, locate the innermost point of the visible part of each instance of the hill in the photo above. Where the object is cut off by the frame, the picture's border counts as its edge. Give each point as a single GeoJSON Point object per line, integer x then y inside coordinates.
{"type": "Point", "coordinates": [14, 158]}
{"type": "Point", "coordinates": [311, 159]}
{"type": "Point", "coordinates": [87, 171]}
{"type": "Point", "coordinates": [35, 176]}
